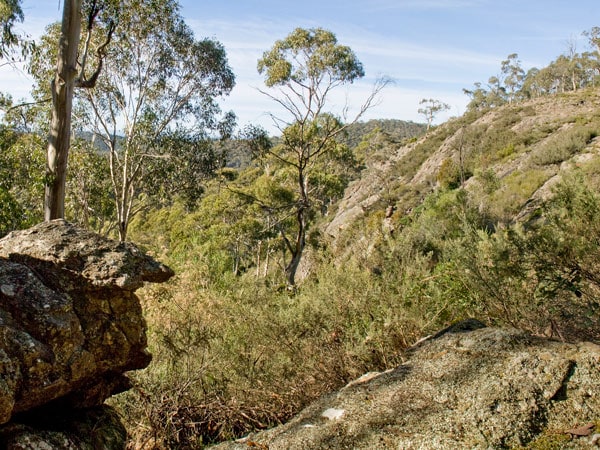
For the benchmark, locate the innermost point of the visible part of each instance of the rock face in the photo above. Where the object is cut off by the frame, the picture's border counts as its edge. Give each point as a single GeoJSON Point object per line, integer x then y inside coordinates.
{"type": "Point", "coordinates": [70, 323]}
{"type": "Point", "coordinates": [468, 387]}
{"type": "Point", "coordinates": [90, 429]}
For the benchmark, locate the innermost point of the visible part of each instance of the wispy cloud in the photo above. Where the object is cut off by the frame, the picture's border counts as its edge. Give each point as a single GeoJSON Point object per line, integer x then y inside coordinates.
{"type": "Point", "coordinates": [432, 71]}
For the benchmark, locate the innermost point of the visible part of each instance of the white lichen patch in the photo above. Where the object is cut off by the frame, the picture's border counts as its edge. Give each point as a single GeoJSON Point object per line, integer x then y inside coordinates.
{"type": "Point", "coordinates": [333, 414]}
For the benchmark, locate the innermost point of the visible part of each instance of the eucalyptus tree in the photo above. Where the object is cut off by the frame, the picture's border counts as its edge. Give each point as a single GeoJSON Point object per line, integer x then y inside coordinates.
{"type": "Point", "coordinates": [430, 109]}
{"type": "Point", "coordinates": [513, 75]}
{"type": "Point", "coordinates": [160, 82]}
{"type": "Point", "coordinates": [301, 71]}
{"type": "Point", "coordinates": [153, 106]}
{"type": "Point", "coordinates": [10, 13]}
{"type": "Point", "coordinates": [71, 72]}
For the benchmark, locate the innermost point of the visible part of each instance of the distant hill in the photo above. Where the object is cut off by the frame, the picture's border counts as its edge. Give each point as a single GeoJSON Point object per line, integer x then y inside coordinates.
{"type": "Point", "coordinates": [396, 130]}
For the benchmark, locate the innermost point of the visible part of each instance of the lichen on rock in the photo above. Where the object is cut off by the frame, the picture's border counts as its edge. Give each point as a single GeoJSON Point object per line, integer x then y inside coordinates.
{"type": "Point", "coordinates": [70, 322]}
{"type": "Point", "coordinates": [465, 387]}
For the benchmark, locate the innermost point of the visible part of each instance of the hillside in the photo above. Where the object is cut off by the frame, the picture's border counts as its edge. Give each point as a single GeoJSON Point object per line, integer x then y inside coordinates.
{"type": "Point", "coordinates": [493, 216]}
{"type": "Point", "coordinates": [506, 158]}
{"type": "Point", "coordinates": [396, 130]}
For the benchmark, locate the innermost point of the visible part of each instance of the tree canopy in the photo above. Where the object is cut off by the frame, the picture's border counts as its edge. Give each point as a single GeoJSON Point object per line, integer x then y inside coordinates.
{"type": "Point", "coordinates": [153, 106]}
{"type": "Point", "coordinates": [10, 13]}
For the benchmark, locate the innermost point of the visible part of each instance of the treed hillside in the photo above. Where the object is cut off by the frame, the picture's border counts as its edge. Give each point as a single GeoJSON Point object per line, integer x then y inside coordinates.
{"type": "Point", "coordinates": [493, 215]}
{"type": "Point", "coordinates": [306, 260]}
{"type": "Point", "coordinates": [396, 130]}
{"type": "Point", "coordinates": [506, 159]}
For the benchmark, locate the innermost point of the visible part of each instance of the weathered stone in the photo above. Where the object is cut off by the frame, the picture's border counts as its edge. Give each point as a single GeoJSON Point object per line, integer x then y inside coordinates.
{"type": "Point", "coordinates": [466, 387]}
{"type": "Point", "coordinates": [86, 259]}
{"type": "Point", "coordinates": [92, 429]}
{"type": "Point", "coordinates": [70, 323]}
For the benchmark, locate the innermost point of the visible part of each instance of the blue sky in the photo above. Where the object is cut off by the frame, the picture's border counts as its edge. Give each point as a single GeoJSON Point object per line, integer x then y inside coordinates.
{"type": "Point", "coordinates": [430, 48]}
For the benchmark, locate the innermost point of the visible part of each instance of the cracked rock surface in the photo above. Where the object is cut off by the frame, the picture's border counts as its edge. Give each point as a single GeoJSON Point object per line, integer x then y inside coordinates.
{"type": "Point", "coordinates": [468, 387]}
{"type": "Point", "coordinates": [70, 322]}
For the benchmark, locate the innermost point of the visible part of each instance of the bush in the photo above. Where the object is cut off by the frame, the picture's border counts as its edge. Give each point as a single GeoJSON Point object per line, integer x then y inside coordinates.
{"type": "Point", "coordinates": [563, 145]}
{"type": "Point", "coordinates": [227, 363]}
{"type": "Point", "coordinates": [449, 176]}
{"type": "Point", "coordinates": [542, 278]}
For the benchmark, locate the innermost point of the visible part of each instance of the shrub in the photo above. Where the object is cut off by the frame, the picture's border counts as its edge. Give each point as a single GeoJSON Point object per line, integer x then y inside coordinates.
{"type": "Point", "coordinates": [449, 176]}
{"type": "Point", "coordinates": [563, 145]}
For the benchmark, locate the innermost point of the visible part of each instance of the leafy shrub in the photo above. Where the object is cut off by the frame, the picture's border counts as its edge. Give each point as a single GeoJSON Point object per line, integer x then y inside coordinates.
{"type": "Point", "coordinates": [514, 191]}
{"type": "Point", "coordinates": [563, 145]}
{"type": "Point", "coordinates": [229, 362]}
{"type": "Point", "coordinates": [543, 277]}
{"type": "Point", "coordinates": [448, 176]}
{"type": "Point", "coordinates": [489, 181]}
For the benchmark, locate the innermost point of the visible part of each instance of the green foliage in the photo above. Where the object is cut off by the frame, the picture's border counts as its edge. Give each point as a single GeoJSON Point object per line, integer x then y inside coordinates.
{"type": "Point", "coordinates": [89, 202]}
{"type": "Point", "coordinates": [230, 361]}
{"type": "Point", "coordinates": [306, 66]}
{"type": "Point", "coordinates": [563, 145]}
{"type": "Point", "coordinates": [544, 276]}
{"type": "Point", "coordinates": [21, 179]}
{"type": "Point", "coordinates": [431, 108]}
{"type": "Point", "coordinates": [160, 84]}
{"type": "Point", "coordinates": [489, 181]}
{"type": "Point", "coordinates": [287, 61]}
{"type": "Point", "coordinates": [571, 71]}
{"type": "Point", "coordinates": [448, 176]}
{"type": "Point", "coordinates": [11, 13]}
{"type": "Point", "coordinates": [394, 131]}
{"type": "Point", "coordinates": [11, 213]}
{"type": "Point", "coordinates": [514, 191]}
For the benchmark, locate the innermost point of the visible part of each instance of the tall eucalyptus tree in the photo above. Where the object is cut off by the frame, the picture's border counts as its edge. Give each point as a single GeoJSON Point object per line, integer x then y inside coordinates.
{"type": "Point", "coordinates": [71, 72]}
{"type": "Point", "coordinates": [301, 71]}
{"type": "Point", "coordinates": [153, 105]}
{"type": "Point", "coordinates": [159, 82]}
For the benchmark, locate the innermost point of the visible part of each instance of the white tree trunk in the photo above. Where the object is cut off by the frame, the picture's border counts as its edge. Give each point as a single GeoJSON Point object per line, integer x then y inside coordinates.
{"type": "Point", "coordinates": [63, 86]}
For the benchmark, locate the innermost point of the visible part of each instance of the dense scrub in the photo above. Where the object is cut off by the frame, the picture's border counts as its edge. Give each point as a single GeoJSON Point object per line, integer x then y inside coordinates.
{"type": "Point", "coordinates": [235, 351]}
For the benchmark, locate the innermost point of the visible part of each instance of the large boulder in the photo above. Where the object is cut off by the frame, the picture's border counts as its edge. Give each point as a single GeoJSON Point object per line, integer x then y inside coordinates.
{"type": "Point", "coordinates": [70, 323]}
{"type": "Point", "coordinates": [467, 387]}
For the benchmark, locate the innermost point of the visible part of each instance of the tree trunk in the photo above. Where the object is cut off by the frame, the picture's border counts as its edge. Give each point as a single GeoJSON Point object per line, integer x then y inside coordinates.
{"type": "Point", "coordinates": [122, 230]}
{"type": "Point", "coordinates": [302, 209]}
{"type": "Point", "coordinates": [267, 260]}
{"type": "Point", "coordinates": [298, 248]}
{"type": "Point", "coordinates": [62, 102]}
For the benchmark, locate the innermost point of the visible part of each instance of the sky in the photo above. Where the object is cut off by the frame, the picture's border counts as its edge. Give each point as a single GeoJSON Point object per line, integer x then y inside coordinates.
{"type": "Point", "coordinates": [428, 48]}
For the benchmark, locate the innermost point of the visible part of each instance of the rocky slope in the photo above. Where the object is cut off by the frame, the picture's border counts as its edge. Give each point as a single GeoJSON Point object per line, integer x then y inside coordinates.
{"type": "Point", "coordinates": [71, 326]}
{"type": "Point", "coordinates": [509, 157]}
{"type": "Point", "coordinates": [467, 387]}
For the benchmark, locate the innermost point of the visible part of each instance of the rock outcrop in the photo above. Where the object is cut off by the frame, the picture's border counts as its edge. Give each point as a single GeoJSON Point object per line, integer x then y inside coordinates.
{"type": "Point", "coordinates": [467, 387]}
{"type": "Point", "coordinates": [70, 323]}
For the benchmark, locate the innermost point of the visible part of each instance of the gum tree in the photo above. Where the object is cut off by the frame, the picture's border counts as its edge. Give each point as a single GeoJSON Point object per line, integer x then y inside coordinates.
{"type": "Point", "coordinates": [161, 83]}
{"type": "Point", "coordinates": [431, 108]}
{"type": "Point", "coordinates": [10, 13]}
{"type": "Point", "coordinates": [152, 110]}
{"type": "Point", "coordinates": [301, 71]}
{"type": "Point", "coordinates": [71, 72]}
